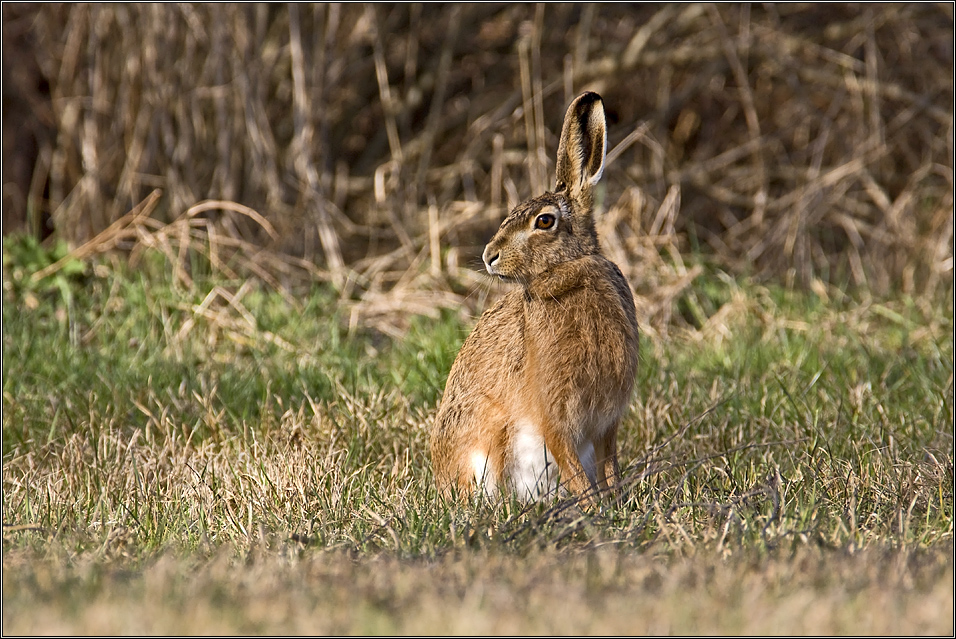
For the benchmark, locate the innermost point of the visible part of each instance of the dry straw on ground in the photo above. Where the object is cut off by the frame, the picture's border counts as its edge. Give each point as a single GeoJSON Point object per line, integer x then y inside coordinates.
{"type": "Point", "coordinates": [377, 146]}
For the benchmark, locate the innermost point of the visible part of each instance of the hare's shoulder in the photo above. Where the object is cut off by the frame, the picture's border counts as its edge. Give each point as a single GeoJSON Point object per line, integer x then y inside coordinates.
{"type": "Point", "coordinates": [612, 301]}
{"type": "Point", "coordinates": [593, 278]}
{"type": "Point", "coordinates": [614, 278]}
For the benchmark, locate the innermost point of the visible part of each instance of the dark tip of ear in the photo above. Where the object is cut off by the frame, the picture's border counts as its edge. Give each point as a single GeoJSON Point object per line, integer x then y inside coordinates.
{"type": "Point", "coordinates": [585, 100]}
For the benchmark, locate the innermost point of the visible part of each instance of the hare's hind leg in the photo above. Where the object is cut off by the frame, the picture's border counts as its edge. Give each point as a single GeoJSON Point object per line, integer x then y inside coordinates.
{"type": "Point", "coordinates": [608, 468]}
{"type": "Point", "coordinates": [476, 449]}
{"type": "Point", "coordinates": [579, 475]}
{"type": "Point", "coordinates": [479, 473]}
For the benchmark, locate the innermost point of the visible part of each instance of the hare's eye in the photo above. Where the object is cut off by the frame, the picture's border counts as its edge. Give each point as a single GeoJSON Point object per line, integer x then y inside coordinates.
{"type": "Point", "coordinates": [544, 221]}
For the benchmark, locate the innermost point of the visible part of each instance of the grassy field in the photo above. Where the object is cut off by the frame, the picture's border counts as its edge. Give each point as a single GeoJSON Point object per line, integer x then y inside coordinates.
{"type": "Point", "coordinates": [227, 459]}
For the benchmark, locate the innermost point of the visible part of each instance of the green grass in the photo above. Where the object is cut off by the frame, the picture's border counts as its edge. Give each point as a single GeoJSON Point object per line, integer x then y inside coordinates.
{"type": "Point", "coordinates": [153, 436]}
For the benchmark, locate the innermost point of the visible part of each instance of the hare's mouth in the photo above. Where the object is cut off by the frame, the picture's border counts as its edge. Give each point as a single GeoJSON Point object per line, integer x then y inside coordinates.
{"type": "Point", "coordinates": [494, 271]}
{"type": "Point", "coordinates": [510, 279]}
{"type": "Point", "coordinates": [498, 275]}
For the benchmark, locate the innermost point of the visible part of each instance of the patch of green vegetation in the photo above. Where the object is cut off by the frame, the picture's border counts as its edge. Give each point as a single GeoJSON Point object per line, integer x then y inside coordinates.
{"type": "Point", "coordinates": [25, 260]}
{"type": "Point", "coordinates": [119, 340]}
{"type": "Point", "coordinates": [419, 363]}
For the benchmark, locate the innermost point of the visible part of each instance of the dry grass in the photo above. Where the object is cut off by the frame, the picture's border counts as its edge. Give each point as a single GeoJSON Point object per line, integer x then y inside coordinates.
{"type": "Point", "coordinates": [381, 144]}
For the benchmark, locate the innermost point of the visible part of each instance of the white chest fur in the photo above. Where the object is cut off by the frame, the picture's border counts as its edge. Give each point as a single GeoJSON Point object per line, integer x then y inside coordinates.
{"type": "Point", "coordinates": [534, 471]}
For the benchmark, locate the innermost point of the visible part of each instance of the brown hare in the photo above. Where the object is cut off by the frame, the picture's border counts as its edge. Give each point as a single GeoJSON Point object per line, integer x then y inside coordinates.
{"type": "Point", "coordinates": [539, 388]}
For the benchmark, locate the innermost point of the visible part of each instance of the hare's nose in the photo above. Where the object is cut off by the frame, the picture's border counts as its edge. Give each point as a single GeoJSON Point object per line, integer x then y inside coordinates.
{"type": "Point", "coordinates": [490, 257]}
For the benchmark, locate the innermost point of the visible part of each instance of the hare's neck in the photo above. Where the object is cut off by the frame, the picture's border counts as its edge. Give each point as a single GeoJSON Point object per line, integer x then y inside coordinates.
{"type": "Point", "coordinates": [561, 279]}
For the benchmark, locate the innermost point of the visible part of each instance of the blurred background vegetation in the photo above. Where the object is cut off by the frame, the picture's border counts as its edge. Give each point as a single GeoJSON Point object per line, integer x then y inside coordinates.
{"type": "Point", "coordinates": [378, 146]}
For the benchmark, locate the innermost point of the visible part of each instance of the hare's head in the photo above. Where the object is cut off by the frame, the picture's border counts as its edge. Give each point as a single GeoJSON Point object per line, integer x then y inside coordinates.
{"type": "Point", "coordinates": [557, 226]}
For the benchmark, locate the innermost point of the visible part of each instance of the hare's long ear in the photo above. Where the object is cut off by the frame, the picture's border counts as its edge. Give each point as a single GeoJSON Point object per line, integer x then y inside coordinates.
{"type": "Point", "coordinates": [583, 147]}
